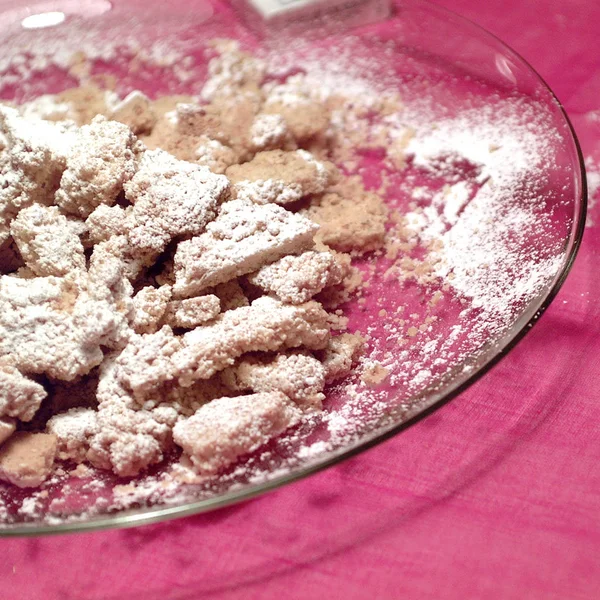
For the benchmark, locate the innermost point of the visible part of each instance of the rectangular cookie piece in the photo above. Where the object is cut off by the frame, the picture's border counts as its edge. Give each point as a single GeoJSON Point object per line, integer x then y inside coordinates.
{"type": "Point", "coordinates": [264, 326]}
{"type": "Point", "coordinates": [243, 238]}
{"type": "Point", "coordinates": [227, 428]}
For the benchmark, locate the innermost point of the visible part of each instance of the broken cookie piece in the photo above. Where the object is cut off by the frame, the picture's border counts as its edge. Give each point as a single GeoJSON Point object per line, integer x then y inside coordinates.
{"type": "Point", "coordinates": [149, 306]}
{"type": "Point", "coordinates": [127, 437]}
{"type": "Point", "coordinates": [281, 177]}
{"type": "Point", "coordinates": [148, 360]}
{"type": "Point", "coordinates": [47, 241]}
{"type": "Point", "coordinates": [242, 238]}
{"type": "Point", "coordinates": [104, 222]}
{"type": "Point", "coordinates": [351, 219]}
{"type": "Point", "coordinates": [266, 325]}
{"type": "Point", "coordinates": [191, 312]}
{"type": "Point", "coordinates": [32, 165]}
{"type": "Point", "coordinates": [29, 139]}
{"type": "Point", "coordinates": [171, 198]}
{"type": "Point", "coordinates": [50, 325]}
{"type": "Point", "coordinates": [341, 354]}
{"type": "Point", "coordinates": [73, 430]}
{"type": "Point", "coordinates": [135, 111]}
{"type": "Point", "coordinates": [26, 459]}
{"type": "Point", "coordinates": [20, 397]}
{"type": "Point", "coordinates": [127, 441]}
{"type": "Point", "coordinates": [226, 428]}
{"type": "Point", "coordinates": [300, 377]}
{"type": "Point", "coordinates": [296, 279]}
{"type": "Point", "coordinates": [116, 258]}
{"type": "Point", "coordinates": [103, 157]}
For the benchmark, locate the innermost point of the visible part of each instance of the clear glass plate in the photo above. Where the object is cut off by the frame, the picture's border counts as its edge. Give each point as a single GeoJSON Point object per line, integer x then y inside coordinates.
{"type": "Point", "coordinates": [489, 136]}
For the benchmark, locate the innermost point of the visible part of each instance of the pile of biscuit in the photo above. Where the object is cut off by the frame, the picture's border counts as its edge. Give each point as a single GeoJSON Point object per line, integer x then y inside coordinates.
{"type": "Point", "coordinates": [172, 272]}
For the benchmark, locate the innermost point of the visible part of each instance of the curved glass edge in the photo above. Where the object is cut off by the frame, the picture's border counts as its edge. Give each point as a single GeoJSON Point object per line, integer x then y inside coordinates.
{"type": "Point", "coordinates": [147, 516]}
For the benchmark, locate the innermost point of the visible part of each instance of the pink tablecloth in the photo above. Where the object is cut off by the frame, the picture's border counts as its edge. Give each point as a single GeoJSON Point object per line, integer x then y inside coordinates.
{"type": "Point", "coordinates": [496, 495]}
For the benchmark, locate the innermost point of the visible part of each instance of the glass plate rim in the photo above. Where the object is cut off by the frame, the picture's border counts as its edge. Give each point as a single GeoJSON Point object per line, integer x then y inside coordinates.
{"type": "Point", "coordinates": [156, 514]}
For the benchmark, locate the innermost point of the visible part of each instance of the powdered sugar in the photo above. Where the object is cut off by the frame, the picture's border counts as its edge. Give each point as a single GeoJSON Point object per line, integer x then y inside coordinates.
{"type": "Point", "coordinates": [459, 220]}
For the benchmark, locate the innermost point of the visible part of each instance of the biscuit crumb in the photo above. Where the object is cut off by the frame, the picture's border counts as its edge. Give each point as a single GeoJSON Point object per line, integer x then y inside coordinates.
{"type": "Point", "coordinates": [375, 374]}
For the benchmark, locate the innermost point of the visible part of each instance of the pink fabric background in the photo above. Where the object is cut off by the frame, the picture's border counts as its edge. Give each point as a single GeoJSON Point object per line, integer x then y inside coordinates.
{"type": "Point", "coordinates": [496, 495]}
